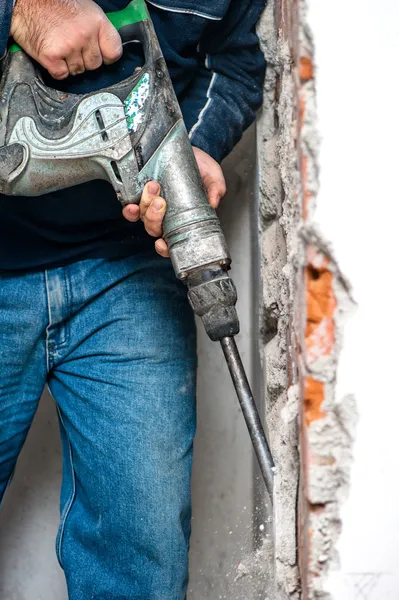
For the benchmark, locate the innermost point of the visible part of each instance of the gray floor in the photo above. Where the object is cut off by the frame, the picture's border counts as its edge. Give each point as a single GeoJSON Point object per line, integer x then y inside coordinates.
{"type": "Point", "coordinates": [222, 483]}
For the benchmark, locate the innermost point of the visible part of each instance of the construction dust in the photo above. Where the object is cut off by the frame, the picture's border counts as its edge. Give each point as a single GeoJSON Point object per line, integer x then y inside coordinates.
{"type": "Point", "coordinates": [242, 574]}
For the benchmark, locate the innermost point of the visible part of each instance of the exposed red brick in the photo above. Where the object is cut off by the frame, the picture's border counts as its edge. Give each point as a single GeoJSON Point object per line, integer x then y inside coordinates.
{"type": "Point", "coordinates": [314, 398]}
{"type": "Point", "coordinates": [306, 71]}
{"type": "Point", "coordinates": [321, 306]}
{"type": "Point", "coordinates": [317, 508]}
{"type": "Point", "coordinates": [315, 287]}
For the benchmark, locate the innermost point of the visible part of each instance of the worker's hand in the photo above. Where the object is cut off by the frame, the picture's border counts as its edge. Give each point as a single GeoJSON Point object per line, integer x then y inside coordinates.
{"type": "Point", "coordinates": [66, 37]}
{"type": "Point", "coordinates": [152, 207]}
{"type": "Point", "coordinates": [212, 176]}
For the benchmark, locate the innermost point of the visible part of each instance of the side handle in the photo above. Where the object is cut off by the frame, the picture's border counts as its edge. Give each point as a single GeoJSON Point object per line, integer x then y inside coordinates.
{"type": "Point", "coordinates": [127, 19]}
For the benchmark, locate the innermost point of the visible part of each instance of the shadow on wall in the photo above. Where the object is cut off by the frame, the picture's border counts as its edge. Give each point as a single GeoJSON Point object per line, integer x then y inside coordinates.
{"type": "Point", "coordinates": [30, 516]}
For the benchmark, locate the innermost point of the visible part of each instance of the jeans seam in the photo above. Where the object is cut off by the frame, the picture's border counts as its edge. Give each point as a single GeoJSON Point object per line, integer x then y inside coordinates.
{"type": "Point", "coordinates": [65, 327]}
{"type": "Point", "coordinates": [49, 321]}
{"type": "Point", "coordinates": [68, 505]}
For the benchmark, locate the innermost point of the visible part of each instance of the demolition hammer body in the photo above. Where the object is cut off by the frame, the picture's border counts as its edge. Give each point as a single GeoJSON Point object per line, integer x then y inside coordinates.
{"type": "Point", "coordinates": [128, 134]}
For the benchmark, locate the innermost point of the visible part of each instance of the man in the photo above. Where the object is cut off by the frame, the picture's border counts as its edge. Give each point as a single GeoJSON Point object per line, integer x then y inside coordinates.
{"type": "Point", "coordinates": [89, 308]}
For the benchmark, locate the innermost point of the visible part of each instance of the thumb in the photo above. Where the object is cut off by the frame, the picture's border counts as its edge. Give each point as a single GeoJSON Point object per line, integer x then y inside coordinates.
{"type": "Point", "coordinates": [215, 192]}
{"type": "Point", "coordinates": [110, 42]}
{"type": "Point", "coordinates": [151, 190]}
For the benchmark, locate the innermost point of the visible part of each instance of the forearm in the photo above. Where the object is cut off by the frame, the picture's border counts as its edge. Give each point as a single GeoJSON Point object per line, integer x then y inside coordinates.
{"type": "Point", "coordinates": [227, 91]}
{"type": "Point", "coordinates": [218, 110]}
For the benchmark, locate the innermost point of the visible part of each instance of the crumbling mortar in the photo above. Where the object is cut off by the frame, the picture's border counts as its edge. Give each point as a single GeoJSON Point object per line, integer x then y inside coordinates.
{"type": "Point", "coordinates": [288, 163]}
{"type": "Point", "coordinates": [277, 210]}
{"type": "Point", "coordinates": [328, 439]}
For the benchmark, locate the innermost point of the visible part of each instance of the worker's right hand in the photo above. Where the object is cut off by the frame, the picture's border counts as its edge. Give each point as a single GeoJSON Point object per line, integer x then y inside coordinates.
{"type": "Point", "coordinates": [66, 37]}
{"type": "Point", "coordinates": [152, 207]}
{"type": "Point", "coordinates": [151, 211]}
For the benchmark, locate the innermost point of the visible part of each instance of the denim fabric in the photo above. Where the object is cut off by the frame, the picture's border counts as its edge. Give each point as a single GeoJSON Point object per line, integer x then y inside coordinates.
{"type": "Point", "coordinates": [115, 341]}
{"type": "Point", "coordinates": [6, 7]}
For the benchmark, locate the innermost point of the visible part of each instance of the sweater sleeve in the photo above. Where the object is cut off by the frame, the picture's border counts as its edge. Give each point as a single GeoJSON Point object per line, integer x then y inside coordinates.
{"type": "Point", "coordinates": [227, 91]}
{"type": "Point", "coordinates": [6, 7]}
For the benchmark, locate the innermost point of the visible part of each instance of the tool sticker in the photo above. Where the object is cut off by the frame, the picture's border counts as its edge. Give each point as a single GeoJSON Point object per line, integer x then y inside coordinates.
{"type": "Point", "coordinates": [135, 103]}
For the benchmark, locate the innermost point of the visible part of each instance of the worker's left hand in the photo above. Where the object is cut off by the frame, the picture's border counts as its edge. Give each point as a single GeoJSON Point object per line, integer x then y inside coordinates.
{"type": "Point", "coordinates": [152, 207]}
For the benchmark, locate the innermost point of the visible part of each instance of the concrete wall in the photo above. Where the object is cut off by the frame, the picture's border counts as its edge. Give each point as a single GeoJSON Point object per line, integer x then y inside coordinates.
{"type": "Point", "coordinates": [223, 480]}
{"type": "Point", "coordinates": [325, 373]}
{"type": "Point", "coordinates": [305, 303]}
{"type": "Point", "coordinates": [279, 218]}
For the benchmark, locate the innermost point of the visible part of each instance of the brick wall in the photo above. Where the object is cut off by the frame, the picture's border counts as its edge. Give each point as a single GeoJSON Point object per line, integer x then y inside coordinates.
{"type": "Point", "coordinates": [304, 306]}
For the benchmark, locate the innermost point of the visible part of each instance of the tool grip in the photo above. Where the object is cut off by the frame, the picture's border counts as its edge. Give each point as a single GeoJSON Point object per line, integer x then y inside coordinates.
{"type": "Point", "coordinates": [124, 21]}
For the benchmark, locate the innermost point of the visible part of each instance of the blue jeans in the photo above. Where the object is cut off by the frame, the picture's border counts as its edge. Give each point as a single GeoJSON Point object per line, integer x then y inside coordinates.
{"type": "Point", "coordinates": [115, 342]}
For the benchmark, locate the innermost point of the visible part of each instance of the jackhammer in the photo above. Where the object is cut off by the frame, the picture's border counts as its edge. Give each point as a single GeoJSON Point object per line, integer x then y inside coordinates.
{"type": "Point", "coordinates": [129, 134]}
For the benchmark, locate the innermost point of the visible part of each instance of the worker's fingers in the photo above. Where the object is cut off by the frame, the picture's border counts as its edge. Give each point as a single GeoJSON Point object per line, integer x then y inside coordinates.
{"type": "Point", "coordinates": [75, 63]}
{"type": "Point", "coordinates": [131, 212]}
{"type": "Point", "coordinates": [216, 191]}
{"type": "Point", "coordinates": [110, 42]}
{"type": "Point", "coordinates": [58, 69]}
{"type": "Point", "coordinates": [151, 210]}
{"type": "Point", "coordinates": [154, 216]}
{"type": "Point", "coordinates": [75, 32]}
{"type": "Point", "coordinates": [151, 190]}
{"type": "Point", "coordinates": [162, 248]}
{"type": "Point", "coordinates": [212, 176]}
{"type": "Point", "coordinates": [92, 57]}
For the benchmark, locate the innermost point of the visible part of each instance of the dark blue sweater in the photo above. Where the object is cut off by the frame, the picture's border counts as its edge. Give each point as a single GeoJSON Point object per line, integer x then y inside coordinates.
{"type": "Point", "coordinates": [217, 69]}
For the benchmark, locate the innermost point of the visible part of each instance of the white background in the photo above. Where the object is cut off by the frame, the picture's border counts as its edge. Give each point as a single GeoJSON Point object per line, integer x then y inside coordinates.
{"type": "Point", "coordinates": [357, 55]}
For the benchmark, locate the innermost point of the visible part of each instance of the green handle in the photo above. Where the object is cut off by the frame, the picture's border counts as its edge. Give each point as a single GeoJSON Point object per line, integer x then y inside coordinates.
{"type": "Point", "coordinates": [134, 12]}
{"type": "Point", "coordinates": [14, 47]}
